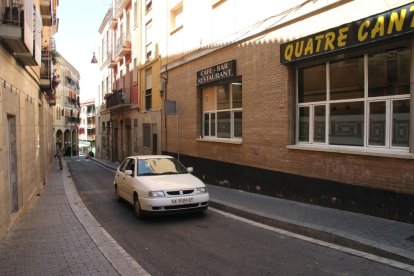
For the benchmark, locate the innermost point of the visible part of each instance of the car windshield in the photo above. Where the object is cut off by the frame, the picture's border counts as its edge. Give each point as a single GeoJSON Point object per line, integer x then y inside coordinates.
{"type": "Point", "coordinates": [159, 166]}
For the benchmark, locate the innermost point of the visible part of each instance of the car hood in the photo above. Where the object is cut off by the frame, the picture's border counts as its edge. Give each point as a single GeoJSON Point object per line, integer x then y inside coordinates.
{"type": "Point", "coordinates": [171, 182]}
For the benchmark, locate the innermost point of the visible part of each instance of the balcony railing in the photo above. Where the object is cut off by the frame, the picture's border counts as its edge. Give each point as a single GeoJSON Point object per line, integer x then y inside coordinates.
{"type": "Point", "coordinates": [48, 81]}
{"type": "Point", "coordinates": [113, 20]}
{"type": "Point", "coordinates": [72, 99]}
{"type": "Point", "coordinates": [106, 58]}
{"type": "Point", "coordinates": [118, 99]}
{"type": "Point", "coordinates": [20, 33]}
{"type": "Point", "coordinates": [112, 64]}
{"type": "Point", "coordinates": [123, 45]}
{"type": "Point", "coordinates": [46, 71]}
{"type": "Point", "coordinates": [71, 83]}
{"type": "Point", "coordinates": [13, 14]}
{"type": "Point", "coordinates": [72, 121]}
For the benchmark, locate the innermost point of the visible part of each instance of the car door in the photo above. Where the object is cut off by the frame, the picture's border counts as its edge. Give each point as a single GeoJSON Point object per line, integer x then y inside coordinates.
{"type": "Point", "coordinates": [120, 178]}
{"type": "Point", "coordinates": [129, 180]}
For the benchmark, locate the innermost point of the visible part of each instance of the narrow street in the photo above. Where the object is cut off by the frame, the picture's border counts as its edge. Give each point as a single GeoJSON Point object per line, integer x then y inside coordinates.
{"type": "Point", "coordinates": [209, 244]}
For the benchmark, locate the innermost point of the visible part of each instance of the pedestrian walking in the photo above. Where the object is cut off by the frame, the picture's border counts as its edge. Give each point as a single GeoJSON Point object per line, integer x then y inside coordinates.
{"type": "Point", "coordinates": [60, 150]}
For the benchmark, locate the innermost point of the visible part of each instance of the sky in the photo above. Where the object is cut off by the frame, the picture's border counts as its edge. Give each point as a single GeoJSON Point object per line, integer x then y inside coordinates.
{"type": "Point", "coordinates": [77, 39]}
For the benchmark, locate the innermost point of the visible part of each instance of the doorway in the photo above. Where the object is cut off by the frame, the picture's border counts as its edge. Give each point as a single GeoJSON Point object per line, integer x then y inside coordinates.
{"type": "Point", "coordinates": [13, 183]}
{"type": "Point", "coordinates": [154, 143]}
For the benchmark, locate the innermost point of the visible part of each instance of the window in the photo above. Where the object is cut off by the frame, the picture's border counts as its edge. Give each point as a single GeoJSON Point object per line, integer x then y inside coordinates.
{"type": "Point", "coordinates": [148, 40]}
{"type": "Point", "coordinates": [136, 135]}
{"type": "Point", "coordinates": [222, 110]}
{"type": "Point", "coordinates": [147, 135]}
{"type": "Point", "coordinates": [128, 164]}
{"type": "Point", "coordinates": [108, 127]}
{"type": "Point", "coordinates": [148, 99]}
{"type": "Point", "coordinates": [362, 101]}
{"type": "Point", "coordinates": [148, 89]}
{"type": "Point", "coordinates": [135, 72]}
{"type": "Point", "coordinates": [135, 13]}
{"type": "Point", "coordinates": [104, 87]}
{"type": "Point", "coordinates": [176, 18]}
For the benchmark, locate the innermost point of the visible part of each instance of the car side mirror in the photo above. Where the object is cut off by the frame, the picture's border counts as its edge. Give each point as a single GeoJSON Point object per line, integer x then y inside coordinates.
{"type": "Point", "coordinates": [128, 172]}
{"type": "Point", "coordinates": [190, 169]}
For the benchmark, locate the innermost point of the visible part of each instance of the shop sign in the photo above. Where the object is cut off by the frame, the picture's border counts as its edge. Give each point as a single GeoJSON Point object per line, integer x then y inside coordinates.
{"type": "Point", "coordinates": [395, 22]}
{"type": "Point", "coordinates": [217, 72]}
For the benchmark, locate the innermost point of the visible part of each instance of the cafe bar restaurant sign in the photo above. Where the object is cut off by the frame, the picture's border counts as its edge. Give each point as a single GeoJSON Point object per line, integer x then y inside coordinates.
{"type": "Point", "coordinates": [395, 22]}
{"type": "Point", "coordinates": [217, 72]}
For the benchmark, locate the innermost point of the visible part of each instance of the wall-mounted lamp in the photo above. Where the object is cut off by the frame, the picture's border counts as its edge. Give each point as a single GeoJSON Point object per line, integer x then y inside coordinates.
{"type": "Point", "coordinates": [94, 60]}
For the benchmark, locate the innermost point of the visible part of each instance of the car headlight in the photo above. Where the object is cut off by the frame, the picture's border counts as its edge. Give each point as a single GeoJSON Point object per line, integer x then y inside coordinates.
{"type": "Point", "coordinates": [156, 194]}
{"type": "Point", "coordinates": [201, 190]}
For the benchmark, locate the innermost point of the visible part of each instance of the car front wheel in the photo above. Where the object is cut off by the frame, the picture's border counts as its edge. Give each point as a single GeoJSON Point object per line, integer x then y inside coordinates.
{"type": "Point", "coordinates": [137, 208]}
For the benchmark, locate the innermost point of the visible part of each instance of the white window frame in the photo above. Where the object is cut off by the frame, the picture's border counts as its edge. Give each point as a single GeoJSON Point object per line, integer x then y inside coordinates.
{"type": "Point", "coordinates": [367, 100]}
{"type": "Point", "coordinates": [176, 18]}
{"type": "Point", "coordinates": [135, 7]}
{"type": "Point", "coordinates": [149, 51]}
{"type": "Point", "coordinates": [216, 111]}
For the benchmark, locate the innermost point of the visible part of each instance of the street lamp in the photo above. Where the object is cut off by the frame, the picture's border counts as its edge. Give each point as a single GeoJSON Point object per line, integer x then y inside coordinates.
{"type": "Point", "coordinates": [94, 60]}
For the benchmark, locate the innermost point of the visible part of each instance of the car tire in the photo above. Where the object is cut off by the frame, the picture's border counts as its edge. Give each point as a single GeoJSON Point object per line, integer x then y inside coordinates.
{"type": "Point", "coordinates": [117, 197]}
{"type": "Point", "coordinates": [137, 208]}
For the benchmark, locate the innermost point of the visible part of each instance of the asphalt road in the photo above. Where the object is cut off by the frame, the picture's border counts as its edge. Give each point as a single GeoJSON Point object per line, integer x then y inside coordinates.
{"type": "Point", "coordinates": [208, 244]}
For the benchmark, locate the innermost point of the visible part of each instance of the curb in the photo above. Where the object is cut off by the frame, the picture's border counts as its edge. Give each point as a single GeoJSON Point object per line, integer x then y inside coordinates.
{"type": "Point", "coordinates": [102, 164]}
{"type": "Point", "coordinates": [122, 262]}
{"type": "Point", "coordinates": [308, 231]}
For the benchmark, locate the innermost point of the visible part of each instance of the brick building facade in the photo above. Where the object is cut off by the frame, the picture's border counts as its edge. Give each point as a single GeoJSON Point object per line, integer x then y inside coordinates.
{"type": "Point", "coordinates": [334, 129]}
{"type": "Point", "coordinates": [304, 100]}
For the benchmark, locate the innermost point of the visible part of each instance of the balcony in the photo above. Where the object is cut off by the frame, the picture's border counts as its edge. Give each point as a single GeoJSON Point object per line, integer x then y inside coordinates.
{"type": "Point", "coordinates": [106, 58]}
{"type": "Point", "coordinates": [109, 60]}
{"type": "Point", "coordinates": [17, 32]}
{"type": "Point", "coordinates": [123, 45]}
{"type": "Point", "coordinates": [71, 83]}
{"type": "Point", "coordinates": [113, 21]}
{"type": "Point", "coordinates": [46, 12]}
{"type": "Point", "coordinates": [112, 64]}
{"type": "Point", "coordinates": [48, 82]}
{"type": "Point", "coordinates": [72, 99]}
{"type": "Point", "coordinates": [72, 121]}
{"type": "Point", "coordinates": [46, 77]}
{"type": "Point", "coordinates": [46, 71]}
{"type": "Point", "coordinates": [119, 99]}
{"type": "Point", "coordinates": [120, 6]}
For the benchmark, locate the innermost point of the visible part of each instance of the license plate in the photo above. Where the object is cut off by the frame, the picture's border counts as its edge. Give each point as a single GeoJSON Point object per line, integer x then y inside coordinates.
{"type": "Point", "coordinates": [182, 200]}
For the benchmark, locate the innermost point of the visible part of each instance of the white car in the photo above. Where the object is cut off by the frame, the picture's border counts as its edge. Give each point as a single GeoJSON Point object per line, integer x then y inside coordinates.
{"type": "Point", "coordinates": [159, 184]}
